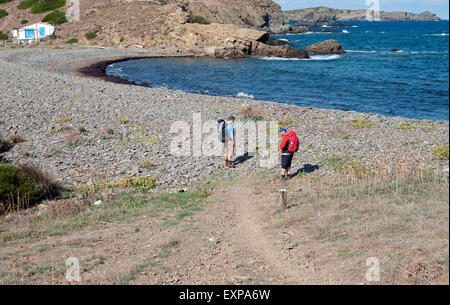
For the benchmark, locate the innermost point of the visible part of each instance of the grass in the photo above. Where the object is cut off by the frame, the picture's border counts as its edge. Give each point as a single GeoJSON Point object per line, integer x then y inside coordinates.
{"type": "Point", "coordinates": [124, 121]}
{"type": "Point", "coordinates": [285, 123]}
{"type": "Point", "coordinates": [125, 205]}
{"type": "Point", "coordinates": [441, 153]}
{"type": "Point", "coordinates": [418, 124]}
{"type": "Point", "coordinates": [397, 214]}
{"type": "Point", "coordinates": [72, 40]}
{"type": "Point", "coordinates": [344, 165]}
{"type": "Point", "coordinates": [360, 123]}
{"type": "Point", "coordinates": [199, 19]}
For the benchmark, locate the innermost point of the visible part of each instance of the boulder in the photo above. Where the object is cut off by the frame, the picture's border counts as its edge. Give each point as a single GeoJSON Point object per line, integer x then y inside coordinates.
{"type": "Point", "coordinates": [326, 47]}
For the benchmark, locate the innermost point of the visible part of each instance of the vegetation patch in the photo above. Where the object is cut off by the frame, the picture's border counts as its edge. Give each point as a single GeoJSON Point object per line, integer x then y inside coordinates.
{"type": "Point", "coordinates": [3, 13]}
{"type": "Point", "coordinates": [345, 165]}
{"type": "Point", "coordinates": [72, 40]}
{"type": "Point", "coordinates": [42, 6]}
{"type": "Point", "coordinates": [441, 152]}
{"type": "Point", "coordinates": [91, 35]}
{"type": "Point", "coordinates": [285, 123]}
{"type": "Point", "coordinates": [55, 18]}
{"type": "Point", "coordinates": [24, 21]}
{"type": "Point", "coordinates": [249, 113]}
{"type": "Point", "coordinates": [198, 19]}
{"type": "Point", "coordinates": [418, 124]}
{"type": "Point", "coordinates": [360, 123]}
{"type": "Point", "coordinates": [3, 36]}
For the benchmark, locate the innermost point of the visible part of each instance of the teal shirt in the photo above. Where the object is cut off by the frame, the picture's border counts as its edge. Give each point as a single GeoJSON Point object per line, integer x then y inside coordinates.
{"type": "Point", "coordinates": [230, 130]}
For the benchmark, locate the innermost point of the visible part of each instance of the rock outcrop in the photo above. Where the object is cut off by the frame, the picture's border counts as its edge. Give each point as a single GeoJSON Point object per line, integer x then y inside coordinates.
{"type": "Point", "coordinates": [319, 15]}
{"type": "Point", "coordinates": [326, 47]}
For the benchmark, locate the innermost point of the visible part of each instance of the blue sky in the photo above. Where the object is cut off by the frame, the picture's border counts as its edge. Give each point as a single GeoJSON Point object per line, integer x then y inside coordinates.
{"type": "Point", "coordinates": [439, 7]}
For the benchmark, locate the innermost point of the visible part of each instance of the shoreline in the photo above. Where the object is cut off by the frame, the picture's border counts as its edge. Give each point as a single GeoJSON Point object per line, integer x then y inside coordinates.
{"type": "Point", "coordinates": [48, 114]}
{"type": "Point", "coordinates": [97, 70]}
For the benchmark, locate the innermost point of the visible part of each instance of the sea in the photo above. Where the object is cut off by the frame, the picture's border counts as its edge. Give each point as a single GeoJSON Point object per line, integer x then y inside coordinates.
{"type": "Point", "coordinates": [412, 82]}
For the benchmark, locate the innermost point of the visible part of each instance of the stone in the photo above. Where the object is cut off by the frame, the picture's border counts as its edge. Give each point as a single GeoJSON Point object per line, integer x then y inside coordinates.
{"type": "Point", "coordinates": [330, 46]}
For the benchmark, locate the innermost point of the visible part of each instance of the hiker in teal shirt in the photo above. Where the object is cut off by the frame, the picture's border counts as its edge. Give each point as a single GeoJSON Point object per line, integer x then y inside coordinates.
{"type": "Point", "coordinates": [230, 143]}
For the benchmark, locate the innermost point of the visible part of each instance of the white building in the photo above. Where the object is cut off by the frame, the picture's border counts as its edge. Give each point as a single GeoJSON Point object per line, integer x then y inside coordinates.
{"type": "Point", "coordinates": [34, 32]}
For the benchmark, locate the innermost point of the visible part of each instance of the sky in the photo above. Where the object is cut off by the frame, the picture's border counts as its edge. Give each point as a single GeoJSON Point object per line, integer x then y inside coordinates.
{"type": "Point", "coordinates": [439, 7]}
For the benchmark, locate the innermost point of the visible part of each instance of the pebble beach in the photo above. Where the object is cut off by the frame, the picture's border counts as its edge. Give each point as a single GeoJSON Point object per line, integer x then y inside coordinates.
{"type": "Point", "coordinates": [84, 128]}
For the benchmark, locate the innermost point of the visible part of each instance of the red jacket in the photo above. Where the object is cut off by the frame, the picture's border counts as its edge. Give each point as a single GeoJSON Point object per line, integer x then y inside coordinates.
{"type": "Point", "coordinates": [284, 141]}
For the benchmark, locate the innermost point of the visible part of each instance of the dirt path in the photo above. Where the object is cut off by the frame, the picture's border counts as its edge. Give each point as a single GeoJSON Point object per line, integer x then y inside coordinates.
{"type": "Point", "coordinates": [238, 216]}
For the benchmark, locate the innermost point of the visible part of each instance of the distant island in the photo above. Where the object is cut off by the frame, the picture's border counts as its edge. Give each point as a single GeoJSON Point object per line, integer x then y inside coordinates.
{"type": "Point", "coordinates": [315, 15]}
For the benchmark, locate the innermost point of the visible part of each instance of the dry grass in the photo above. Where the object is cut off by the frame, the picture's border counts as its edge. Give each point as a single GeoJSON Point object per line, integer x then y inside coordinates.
{"type": "Point", "coordinates": [398, 214]}
{"type": "Point", "coordinates": [72, 137]}
{"type": "Point", "coordinates": [249, 113]}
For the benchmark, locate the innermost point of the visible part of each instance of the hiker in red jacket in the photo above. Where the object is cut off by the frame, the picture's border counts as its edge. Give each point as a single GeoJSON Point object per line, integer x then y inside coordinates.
{"type": "Point", "coordinates": [289, 145]}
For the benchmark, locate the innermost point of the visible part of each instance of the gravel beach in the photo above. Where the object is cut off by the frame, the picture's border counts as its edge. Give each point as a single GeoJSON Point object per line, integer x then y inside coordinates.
{"type": "Point", "coordinates": [88, 129]}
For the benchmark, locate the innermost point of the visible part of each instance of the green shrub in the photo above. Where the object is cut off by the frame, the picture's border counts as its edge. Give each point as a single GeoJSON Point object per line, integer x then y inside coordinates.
{"type": "Point", "coordinates": [55, 18]}
{"type": "Point", "coordinates": [42, 6]}
{"type": "Point", "coordinates": [122, 39]}
{"type": "Point", "coordinates": [5, 1]}
{"type": "Point", "coordinates": [25, 21]}
{"type": "Point", "coordinates": [441, 152]}
{"type": "Point", "coordinates": [16, 189]}
{"type": "Point", "coordinates": [3, 36]}
{"type": "Point", "coordinates": [199, 19]}
{"type": "Point", "coordinates": [26, 4]}
{"type": "Point", "coordinates": [72, 40]}
{"type": "Point", "coordinates": [91, 35]}
{"type": "Point", "coordinates": [3, 13]}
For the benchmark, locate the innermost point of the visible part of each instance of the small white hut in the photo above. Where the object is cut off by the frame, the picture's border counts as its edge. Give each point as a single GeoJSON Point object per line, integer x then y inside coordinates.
{"type": "Point", "coordinates": [34, 32]}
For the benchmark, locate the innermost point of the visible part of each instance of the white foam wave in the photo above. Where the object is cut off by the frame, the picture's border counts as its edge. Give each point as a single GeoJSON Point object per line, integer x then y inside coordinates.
{"type": "Point", "coordinates": [441, 34]}
{"type": "Point", "coordinates": [345, 31]}
{"type": "Point", "coordinates": [284, 39]}
{"type": "Point", "coordinates": [279, 58]}
{"type": "Point", "coordinates": [244, 95]}
{"type": "Point", "coordinates": [324, 57]}
{"type": "Point", "coordinates": [360, 51]}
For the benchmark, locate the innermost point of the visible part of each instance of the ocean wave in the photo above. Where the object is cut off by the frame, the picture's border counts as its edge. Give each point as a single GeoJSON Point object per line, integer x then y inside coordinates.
{"type": "Point", "coordinates": [428, 52]}
{"type": "Point", "coordinates": [325, 57]}
{"type": "Point", "coordinates": [244, 95]}
{"type": "Point", "coordinates": [279, 58]}
{"type": "Point", "coordinates": [312, 57]}
{"type": "Point", "coordinates": [345, 31]}
{"type": "Point", "coordinates": [441, 34]}
{"type": "Point", "coordinates": [360, 51]}
{"type": "Point", "coordinates": [283, 39]}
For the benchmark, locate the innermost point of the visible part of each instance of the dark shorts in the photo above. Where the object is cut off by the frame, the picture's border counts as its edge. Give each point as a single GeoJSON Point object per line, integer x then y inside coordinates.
{"type": "Point", "coordinates": [286, 161]}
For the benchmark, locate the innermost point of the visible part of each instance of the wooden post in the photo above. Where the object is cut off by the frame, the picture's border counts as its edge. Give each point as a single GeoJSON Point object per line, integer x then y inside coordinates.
{"type": "Point", "coordinates": [283, 197]}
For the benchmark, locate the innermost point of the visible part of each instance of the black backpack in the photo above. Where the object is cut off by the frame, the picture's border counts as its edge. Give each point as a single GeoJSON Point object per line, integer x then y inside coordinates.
{"type": "Point", "coordinates": [222, 130]}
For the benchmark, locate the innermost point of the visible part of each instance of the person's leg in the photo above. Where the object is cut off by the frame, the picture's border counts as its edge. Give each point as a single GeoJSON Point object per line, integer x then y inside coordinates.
{"type": "Point", "coordinates": [283, 166]}
{"type": "Point", "coordinates": [230, 154]}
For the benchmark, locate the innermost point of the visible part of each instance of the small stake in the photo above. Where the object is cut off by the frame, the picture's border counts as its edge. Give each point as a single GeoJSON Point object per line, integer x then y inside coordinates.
{"type": "Point", "coordinates": [283, 198]}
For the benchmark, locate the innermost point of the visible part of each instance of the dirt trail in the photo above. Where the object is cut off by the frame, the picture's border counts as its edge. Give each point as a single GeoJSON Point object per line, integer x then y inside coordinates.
{"type": "Point", "coordinates": [248, 251]}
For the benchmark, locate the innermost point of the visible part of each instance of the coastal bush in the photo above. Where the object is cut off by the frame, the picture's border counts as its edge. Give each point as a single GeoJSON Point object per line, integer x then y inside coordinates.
{"type": "Point", "coordinates": [5, 1]}
{"type": "Point", "coordinates": [55, 18]}
{"type": "Point", "coordinates": [249, 113]}
{"type": "Point", "coordinates": [442, 152]}
{"type": "Point", "coordinates": [198, 19]}
{"type": "Point", "coordinates": [72, 40]}
{"type": "Point", "coordinates": [26, 4]}
{"type": "Point", "coordinates": [42, 6]}
{"type": "Point", "coordinates": [3, 36]}
{"type": "Point", "coordinates": [91, 35]}
{"type": "Point", "coordinates": [17, 190]}
{"type": "Point", "coordinates": [3, 13]}
{"type": "Point", "coordinates": [48, 186]}
{"type": "Point", "coordinates": [25, 21]}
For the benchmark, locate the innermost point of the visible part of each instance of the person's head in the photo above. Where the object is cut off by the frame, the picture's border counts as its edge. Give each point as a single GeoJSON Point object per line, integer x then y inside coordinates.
{"type": "Point", "coordinates": [283, 131]}
{"type": "Point", "coordinates": [231, 119]}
